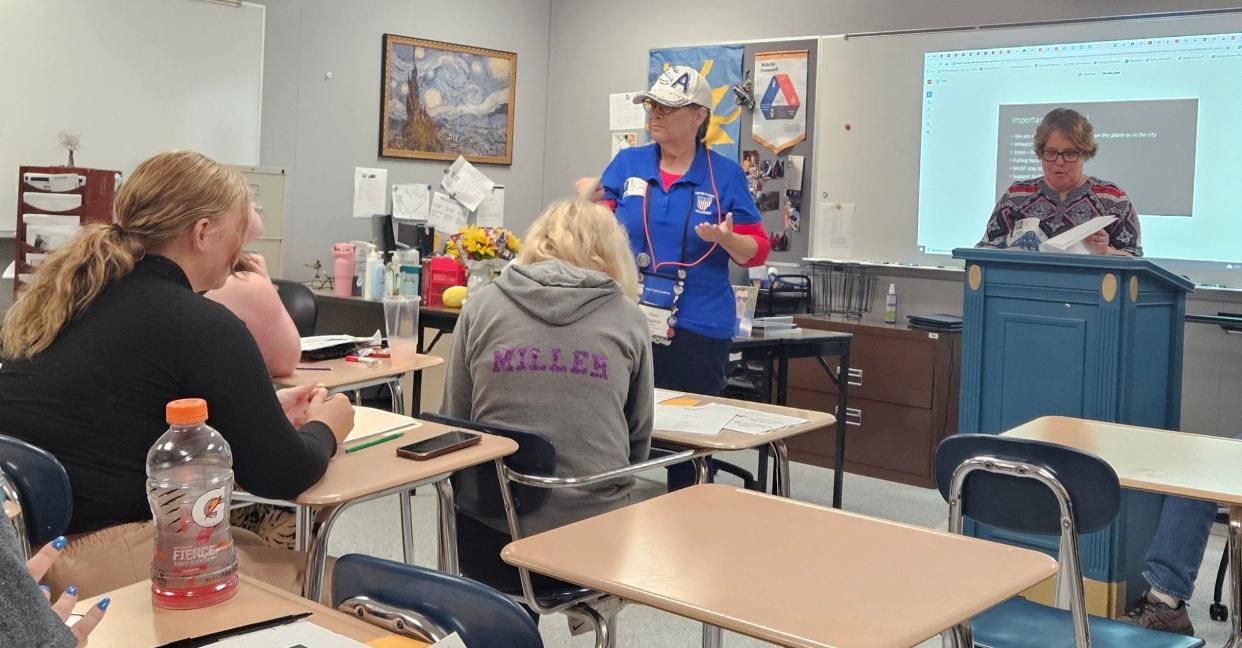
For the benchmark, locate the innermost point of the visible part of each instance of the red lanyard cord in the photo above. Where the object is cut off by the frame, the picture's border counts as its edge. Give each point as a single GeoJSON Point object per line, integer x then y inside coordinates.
{"type": "Point", "coordinates": [647, 229]}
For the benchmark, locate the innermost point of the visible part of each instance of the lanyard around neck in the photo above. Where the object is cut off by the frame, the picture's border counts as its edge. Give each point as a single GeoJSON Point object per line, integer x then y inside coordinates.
{"type": "Point", "coordinates": [655, 265]}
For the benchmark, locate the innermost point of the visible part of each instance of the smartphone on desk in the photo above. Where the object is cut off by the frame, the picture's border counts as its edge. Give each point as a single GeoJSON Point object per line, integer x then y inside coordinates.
{"type": "Point", "coordinates": [439, 444]}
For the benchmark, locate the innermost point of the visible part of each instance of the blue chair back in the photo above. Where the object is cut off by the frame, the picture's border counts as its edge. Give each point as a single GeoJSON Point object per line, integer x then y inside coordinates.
{"type": "Point", "coordinates": [300, 302]}
{"type": "Point", "coordinates": [1024, 504]}
{"type": "Point", "coordinates": [476, 490]}
{"type": "Point", "coordinates": [42, 487]}
{"type": "Point", "coordinates": [481, 616]}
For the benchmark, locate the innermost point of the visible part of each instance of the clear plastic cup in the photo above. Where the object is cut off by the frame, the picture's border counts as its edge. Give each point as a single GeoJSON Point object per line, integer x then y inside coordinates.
{"type": "Point", "coordinates": [401, 326]}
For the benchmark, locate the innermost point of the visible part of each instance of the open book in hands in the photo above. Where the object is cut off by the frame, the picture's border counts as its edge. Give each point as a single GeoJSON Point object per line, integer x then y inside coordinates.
{"type": "Point", "coordinates": [1071, 240]}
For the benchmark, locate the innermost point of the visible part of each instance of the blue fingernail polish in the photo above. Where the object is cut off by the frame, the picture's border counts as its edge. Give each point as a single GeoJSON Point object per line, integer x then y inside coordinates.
{"type": "Point", "coordinates": [103, 605]}
{"type": "Point", "coordinates": [59, 542]}
{"type": "Point", "coordinates": [72, 590]}
{"type": "Point", "coordinates": [45, 588]}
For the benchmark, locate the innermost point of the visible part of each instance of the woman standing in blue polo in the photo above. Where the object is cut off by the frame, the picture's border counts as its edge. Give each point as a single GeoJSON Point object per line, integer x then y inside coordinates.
{"type": "Point", "coordinates": [688, 212]}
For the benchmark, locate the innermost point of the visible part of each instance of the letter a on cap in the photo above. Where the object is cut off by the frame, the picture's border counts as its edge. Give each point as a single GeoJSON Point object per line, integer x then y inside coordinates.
{"type": "Point", "coordinates": [683, 81]}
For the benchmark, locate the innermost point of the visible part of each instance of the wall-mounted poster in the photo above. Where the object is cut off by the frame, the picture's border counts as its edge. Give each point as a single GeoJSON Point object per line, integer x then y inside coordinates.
{"type": "Point", "coordinates": [441, 100]}
{"type": "Point", "coordinates": [721, 65]}
{"type": "Point", "coordinates": [779, 121]}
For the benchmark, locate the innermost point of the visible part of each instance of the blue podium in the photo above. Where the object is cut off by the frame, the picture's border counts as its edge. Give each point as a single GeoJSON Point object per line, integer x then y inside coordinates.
{"type": "Point", "coordinates": [1087, 336]}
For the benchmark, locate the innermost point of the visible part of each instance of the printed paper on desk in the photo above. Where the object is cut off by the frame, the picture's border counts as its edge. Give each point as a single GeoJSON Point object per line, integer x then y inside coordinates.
{"type": "Point", "coordinates": [466, 184]}
{"type": "Point", "coordinates": [447, 215]}
{"type": "Point", "coordinates": [624, 114]}
{"type": "Point", "coordinates": [662, 395]}
{"type": "Point", "coordinates": [748, 421]}
{"type": "Point", "coordinates": [369, 422]}
{"type": "Point", "coordinates": [491, 212]}
{"type": "Point", "coordinates": [1068, 240]}
{"type": "Point", "coordinates": [316, 342]}
{"type": "Point", "coordinates": [411, 201]}
{"type": "Point", "coordinates": [705, 420]}
{"type": "Point", "coordinates": [370, 192]}
{"type": "Point", "coordinates": [301, 633]}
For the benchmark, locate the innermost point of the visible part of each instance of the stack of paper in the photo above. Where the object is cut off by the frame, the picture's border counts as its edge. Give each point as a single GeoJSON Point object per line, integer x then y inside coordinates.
{"type": "Point", "coordinates": [369, 422]}
{"type": "Point", "coordinates": [1071, 240]}
{"type": "Point", "coordinates": [713, 418]}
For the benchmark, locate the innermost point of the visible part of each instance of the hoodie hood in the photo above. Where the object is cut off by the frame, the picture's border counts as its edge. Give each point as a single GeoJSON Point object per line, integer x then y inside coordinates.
{"type": "Point", "coordinates": [556, 292]}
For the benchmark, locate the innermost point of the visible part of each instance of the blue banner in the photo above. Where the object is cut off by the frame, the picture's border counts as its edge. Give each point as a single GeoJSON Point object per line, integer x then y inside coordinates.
{"type": "Point", "coordinates": [721, 65]}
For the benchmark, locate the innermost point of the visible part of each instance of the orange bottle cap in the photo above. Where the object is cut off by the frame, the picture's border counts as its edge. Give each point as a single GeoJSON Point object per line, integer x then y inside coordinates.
{"type": "Point", "coordinates": [186, 411]}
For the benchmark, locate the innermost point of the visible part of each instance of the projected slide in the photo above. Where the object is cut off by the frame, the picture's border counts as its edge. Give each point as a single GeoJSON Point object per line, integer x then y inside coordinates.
{"type": "Point", "coordinates": [1164, 116]}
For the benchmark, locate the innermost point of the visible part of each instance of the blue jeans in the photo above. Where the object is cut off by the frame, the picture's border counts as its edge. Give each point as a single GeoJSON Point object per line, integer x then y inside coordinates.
{"type": "Point", "coordinates": [1176, 550]}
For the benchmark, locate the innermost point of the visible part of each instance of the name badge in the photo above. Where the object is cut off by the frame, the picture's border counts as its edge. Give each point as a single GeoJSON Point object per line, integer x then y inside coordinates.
{"type": "Point", "coordinates": [634, 186]}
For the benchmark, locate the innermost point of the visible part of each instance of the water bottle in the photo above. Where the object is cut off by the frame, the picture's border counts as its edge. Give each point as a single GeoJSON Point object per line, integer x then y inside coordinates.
{"type": "Point", "coordinates": [189, 487]}
{"type": "Point", "coordinates": [890, 305]}
{"type": "Point", "coordinates": [342, 269]}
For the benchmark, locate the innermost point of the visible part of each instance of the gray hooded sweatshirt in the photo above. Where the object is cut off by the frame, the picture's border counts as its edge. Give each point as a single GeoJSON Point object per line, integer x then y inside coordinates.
{"type": "Point", "coordinates": [553, 348]}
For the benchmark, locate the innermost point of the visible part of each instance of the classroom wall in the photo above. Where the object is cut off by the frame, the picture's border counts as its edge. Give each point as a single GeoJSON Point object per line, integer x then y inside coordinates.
{"type": "Point", "coordinates": [320, 129]}
{"type": "Point", "coordinates": [601, 48]}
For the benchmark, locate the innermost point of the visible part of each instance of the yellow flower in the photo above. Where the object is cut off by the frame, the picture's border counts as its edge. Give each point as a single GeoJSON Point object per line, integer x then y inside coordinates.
{"type": "Point", "coordinates": [512, 243]}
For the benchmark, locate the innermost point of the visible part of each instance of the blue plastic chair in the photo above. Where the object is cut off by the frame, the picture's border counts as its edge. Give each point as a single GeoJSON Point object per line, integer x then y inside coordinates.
{"type": "Point", "coordinates": [519, 485]}
{"type": "Point", "coordinates": [1037, 487]}
{"type": "Point", "coordinates": [429, 605]}
{"type": "Point", "coordinates": [35, 479]}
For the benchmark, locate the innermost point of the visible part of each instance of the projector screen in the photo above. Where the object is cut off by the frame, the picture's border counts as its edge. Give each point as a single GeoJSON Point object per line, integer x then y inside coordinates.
{"type": "Point", "coordinates": [1165, 116]}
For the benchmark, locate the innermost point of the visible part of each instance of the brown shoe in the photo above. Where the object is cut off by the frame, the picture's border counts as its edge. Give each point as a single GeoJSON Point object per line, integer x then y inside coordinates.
{"type": "Point", "coordinates": [1150, 613]}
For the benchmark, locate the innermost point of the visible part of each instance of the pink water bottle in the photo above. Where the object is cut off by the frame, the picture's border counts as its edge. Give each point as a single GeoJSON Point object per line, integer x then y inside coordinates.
{"type": "Point", "coordinates": [190, 485]}
{"type": "Point", "coordinates": [343, 269]}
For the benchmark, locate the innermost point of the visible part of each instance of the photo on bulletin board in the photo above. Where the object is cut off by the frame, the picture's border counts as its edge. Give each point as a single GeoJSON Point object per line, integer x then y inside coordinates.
{"type": "Point", "coordinates": [440, 100]}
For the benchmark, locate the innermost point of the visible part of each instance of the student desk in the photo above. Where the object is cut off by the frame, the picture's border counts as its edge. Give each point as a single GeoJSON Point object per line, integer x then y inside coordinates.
{"type": "Point", "coordinates": [374, 472]}
{"type": "Point", "coordinates": [804, 343]}
{"type": "Point", "coordinates": [728, 440]}
{"type": "Point", "coordinates": [132, 620]}
{"type": "Point", "coordinates": [1159, 461]}
{"type": "Point", "coordinates": [358, 316]}
{"type": "Point", "coordinates": [807, 576]}
{"type": "Point", "coordinates": [352, 376]}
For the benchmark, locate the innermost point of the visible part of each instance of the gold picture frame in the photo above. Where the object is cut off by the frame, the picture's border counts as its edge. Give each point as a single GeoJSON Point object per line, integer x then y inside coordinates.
{"type": "Point", "coordinates": [440, 100]}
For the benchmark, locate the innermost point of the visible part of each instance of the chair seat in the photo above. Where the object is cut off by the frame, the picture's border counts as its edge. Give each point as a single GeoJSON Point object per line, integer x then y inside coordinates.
{"type": "Point", "coordinates": [1019, 623]}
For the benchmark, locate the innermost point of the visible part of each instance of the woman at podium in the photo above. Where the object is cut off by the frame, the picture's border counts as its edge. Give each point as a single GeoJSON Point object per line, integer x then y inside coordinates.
{"type": "Point", "coordinates": [1032, 211]}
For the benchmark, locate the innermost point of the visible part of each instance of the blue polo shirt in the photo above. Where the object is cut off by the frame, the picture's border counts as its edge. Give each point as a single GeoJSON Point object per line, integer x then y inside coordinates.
{"type": "Point", "coordinates": [707, 307]}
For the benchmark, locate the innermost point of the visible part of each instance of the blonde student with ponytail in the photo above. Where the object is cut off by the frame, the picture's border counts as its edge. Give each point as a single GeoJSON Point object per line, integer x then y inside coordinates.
{"type": "Point", "coordinates": [112, 327]}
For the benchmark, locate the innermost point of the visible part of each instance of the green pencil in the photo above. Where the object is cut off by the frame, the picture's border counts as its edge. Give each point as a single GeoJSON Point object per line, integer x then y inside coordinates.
{"type": "Point", "coordinates": [367, 444]}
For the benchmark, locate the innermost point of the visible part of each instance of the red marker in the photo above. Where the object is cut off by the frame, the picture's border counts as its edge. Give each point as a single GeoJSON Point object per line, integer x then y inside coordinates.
{"type": "Point", "coordinates": [354, 358]}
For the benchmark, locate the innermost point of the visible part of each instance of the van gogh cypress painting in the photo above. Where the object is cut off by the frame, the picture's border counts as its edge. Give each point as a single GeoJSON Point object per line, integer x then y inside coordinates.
{"type": "Point", "coordinates": [441, 100]}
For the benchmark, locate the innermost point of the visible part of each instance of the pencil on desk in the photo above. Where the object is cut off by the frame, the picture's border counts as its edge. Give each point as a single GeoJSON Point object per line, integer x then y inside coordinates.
{"type": "Point", "coordinates": [367, 444]}
{"type": "Point", "coordinates": [314, 368]}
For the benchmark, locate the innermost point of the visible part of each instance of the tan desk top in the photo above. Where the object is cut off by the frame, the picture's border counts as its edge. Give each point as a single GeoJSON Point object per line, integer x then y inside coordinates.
{"type": "Point", "coordinates": [729, 440]}
{"type": "Point", "coordinates": [132, 620]}
{"type": "Point", "coordinates": [802, 576]}
{"type": "Point", "coordinates": [1176, 463]}
{"type": "Point", "coordinates": [346, 373]}
{"type": "Point", "coordinates": [378, 468]}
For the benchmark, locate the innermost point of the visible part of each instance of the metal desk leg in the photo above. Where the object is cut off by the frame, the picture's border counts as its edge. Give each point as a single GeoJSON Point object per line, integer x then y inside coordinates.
{"type": "Point", "coordinates": [780, 472]}
{"type": "Point", "coordinates": [761, 471]}
{"type": "Point", "coordinates": [447, 549]}
{"type": "Point", "coordinates": [398, 395]}
{"type": "Point", "coordinates": [712, 636]}
{"type": "Point", "coordinates": [303, 526]}
{"type": "Point", "coordinates": [407, 527]}
{"type": "Point", "coordinates": [1235, 575]}
{"type": "Point", "coordinates": [700, 470]}
{"type": "Point", "coordinates": [838, 468]}
{"type": "Point", "coordinates": [317, 556]}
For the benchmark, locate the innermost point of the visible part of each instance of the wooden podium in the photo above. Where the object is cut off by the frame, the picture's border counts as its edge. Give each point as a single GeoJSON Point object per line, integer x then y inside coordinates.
{"type": "Point", "coordinates": [1097, 337]}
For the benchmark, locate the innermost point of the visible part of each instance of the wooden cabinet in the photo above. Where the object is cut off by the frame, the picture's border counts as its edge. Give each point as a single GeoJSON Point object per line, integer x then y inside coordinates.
{"type": "Point", "coordinates": [902, 399]}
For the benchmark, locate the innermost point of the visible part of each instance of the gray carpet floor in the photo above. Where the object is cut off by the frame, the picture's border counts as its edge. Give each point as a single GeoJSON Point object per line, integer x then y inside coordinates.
{"type": "Point", "coordinates": [373, 529]}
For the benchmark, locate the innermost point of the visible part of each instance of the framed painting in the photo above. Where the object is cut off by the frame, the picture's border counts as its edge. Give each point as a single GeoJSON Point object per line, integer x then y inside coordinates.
{"type": "Point", "coordinates": [441, 100]}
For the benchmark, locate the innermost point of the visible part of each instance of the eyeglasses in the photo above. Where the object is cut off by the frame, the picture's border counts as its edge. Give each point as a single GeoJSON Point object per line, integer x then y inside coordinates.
{"type": "Point", "coordinates": [656, 108]}
{"type": "Point", "coordinates": [1071, 156]}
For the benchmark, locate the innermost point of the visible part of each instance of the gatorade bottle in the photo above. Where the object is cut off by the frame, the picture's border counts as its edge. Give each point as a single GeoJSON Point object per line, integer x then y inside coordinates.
{"type": "Point", "coordinates": [189, 486]}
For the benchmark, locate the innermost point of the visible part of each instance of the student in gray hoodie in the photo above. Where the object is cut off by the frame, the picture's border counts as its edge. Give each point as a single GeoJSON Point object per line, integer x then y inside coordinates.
{"type": "Point", "coordinates": [558, 345]}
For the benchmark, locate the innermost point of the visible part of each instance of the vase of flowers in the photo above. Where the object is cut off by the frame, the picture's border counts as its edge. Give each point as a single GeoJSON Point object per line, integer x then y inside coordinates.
{"type": "Point", "coordinates": [484, 251]}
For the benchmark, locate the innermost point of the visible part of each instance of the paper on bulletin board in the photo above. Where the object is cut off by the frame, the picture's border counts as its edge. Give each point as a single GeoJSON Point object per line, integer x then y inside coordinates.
{"type": "Point", "coordinates": [370, 192]}
{"type": "Point", "coordinates": [466, 184]}
{"type": "Point", "coordinates": [491, 212]}
{"type": "Point", "coordinates": [621, 141]}
{"type": "Point", "coordinates": [624, 114]}
{"type": "Point", "coordinates": [447, 215]}
{"type": "Point", "coordinates": [793, 172]}
{"type": "Point", "coordinates": [411, 201]}
{"type": "Point", "coordinates": [834, 231]}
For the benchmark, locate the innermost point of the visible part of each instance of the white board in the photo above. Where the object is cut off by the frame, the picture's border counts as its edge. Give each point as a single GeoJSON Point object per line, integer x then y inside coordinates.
{"type": "Point", "coordinates": [135, 78]}
{"type": "Point", "coordinates": [875, 85]}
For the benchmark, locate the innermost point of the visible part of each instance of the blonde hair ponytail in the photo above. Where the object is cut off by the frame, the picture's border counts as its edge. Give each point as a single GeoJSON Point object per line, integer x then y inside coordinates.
{"type": "Point", "coordinates": [166, 195]}
{"type": "Point", "coordinates": [585, 234]}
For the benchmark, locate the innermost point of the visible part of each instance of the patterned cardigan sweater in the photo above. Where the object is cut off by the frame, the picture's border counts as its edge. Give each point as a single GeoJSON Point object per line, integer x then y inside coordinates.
{"type": "Point", "coordinates": [1035, 199]}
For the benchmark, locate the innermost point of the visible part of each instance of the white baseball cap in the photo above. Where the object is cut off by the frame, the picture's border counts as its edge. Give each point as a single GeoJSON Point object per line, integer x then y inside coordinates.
{"type": "Point", "coordinates": [678, 86]}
